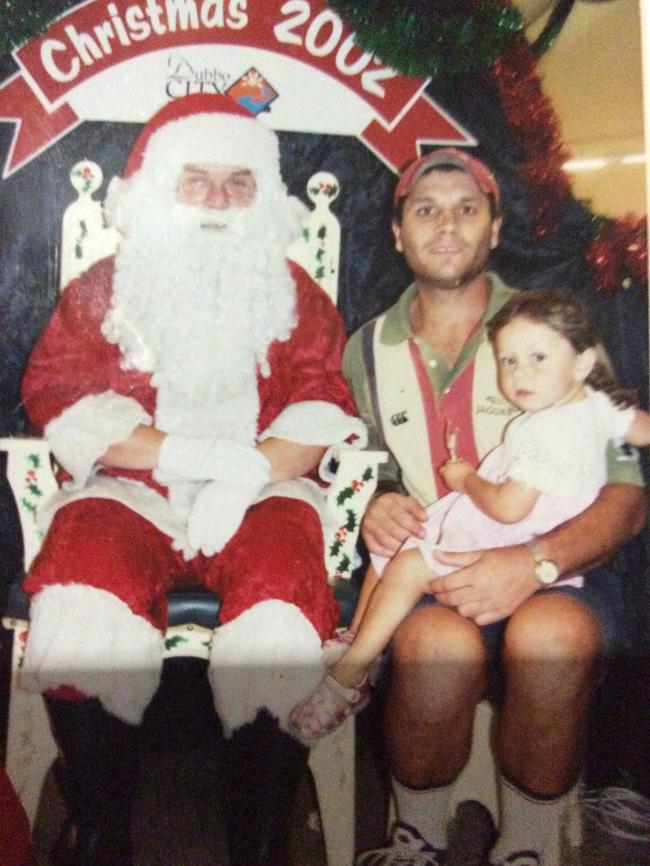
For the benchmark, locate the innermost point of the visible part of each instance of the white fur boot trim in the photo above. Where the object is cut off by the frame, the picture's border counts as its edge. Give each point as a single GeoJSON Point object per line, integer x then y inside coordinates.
{"type": "Point", "coordinates": [88, 638]}
{"type": "Point", "coordinates": [269, 656]}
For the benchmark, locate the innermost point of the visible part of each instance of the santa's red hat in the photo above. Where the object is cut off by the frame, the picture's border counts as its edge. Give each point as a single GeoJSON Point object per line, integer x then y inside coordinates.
{"type": "Point", "coordinates": [203, 128]}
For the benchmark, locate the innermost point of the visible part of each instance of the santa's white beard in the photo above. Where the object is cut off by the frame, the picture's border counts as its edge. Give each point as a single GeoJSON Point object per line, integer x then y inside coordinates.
{"type": "Point", "coordinates": [198, 306]}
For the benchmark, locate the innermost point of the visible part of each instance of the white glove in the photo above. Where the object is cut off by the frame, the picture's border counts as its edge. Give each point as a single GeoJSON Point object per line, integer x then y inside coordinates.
{"type": "Point", "coordinates": [203, 458]}
{"type": "Point", "coordinates": [220, 506]}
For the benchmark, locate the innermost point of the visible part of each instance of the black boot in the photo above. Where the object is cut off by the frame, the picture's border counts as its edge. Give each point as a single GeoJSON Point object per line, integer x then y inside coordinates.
{"type": "Point", "coordinates": [262, 768]}
{"type": "Point", "coordinates": [97, 774]}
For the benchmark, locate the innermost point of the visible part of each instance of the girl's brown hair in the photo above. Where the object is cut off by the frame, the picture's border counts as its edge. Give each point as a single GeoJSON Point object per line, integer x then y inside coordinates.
{"type": "Point", "coordinates": [570, 317]}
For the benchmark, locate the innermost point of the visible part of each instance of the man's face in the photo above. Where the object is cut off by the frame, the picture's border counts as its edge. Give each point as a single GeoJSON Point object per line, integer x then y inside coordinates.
{"type": "Point", "coordinates": [447, 230]}
{"type": "Point", "coordinates": [215, 186]}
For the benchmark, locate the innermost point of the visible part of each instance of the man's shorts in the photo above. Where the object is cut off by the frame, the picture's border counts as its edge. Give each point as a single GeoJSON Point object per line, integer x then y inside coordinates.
{"type": "Point", "coordinates": [601, 594]}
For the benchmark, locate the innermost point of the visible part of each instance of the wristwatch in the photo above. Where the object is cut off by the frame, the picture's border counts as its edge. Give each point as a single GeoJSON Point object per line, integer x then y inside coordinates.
{"type": "Point", "coordinates": [546, 571]}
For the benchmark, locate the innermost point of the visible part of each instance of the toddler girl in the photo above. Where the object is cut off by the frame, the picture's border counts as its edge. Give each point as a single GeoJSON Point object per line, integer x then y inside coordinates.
{"type": "Point", "coordinates": [549, 467]}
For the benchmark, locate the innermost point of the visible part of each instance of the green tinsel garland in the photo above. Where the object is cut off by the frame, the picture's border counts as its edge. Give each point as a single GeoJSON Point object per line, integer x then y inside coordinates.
{"type": "Point", "coordinates": [21, 20]}
{"type": "Point", "coordinates": [432, 37]}
{"type": "Point", "coordinates": [436, 37]}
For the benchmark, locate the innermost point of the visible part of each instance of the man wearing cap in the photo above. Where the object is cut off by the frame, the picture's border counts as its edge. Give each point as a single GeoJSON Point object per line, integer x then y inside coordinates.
{"type": "Point", "coordinates": [188, 387]}
{"type": "Point", "coordinates": [498, 625]}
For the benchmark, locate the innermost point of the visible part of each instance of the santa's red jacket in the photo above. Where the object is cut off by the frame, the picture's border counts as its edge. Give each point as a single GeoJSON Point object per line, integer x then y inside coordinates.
{"type": "Point", "coordinates": [76, 390]}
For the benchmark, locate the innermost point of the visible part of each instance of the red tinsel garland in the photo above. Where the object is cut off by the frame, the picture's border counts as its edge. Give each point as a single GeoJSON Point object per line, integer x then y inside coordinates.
{"type": "Point", "coordinates": [618, 255]}
{"type": "Point", "coordinates": [530, 114]}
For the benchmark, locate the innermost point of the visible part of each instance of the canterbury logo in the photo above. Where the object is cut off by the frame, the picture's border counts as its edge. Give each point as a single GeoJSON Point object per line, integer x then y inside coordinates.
{"type": "Point", "coordinates": [399, 418]}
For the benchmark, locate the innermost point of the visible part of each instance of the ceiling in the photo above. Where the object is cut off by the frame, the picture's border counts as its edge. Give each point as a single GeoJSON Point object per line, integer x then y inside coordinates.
{"type": "Point", "coordinates": [592, 74]}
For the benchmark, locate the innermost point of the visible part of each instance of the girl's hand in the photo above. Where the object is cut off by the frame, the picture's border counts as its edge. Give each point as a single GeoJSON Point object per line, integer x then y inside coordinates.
{"type": "Point", "coordinates": [455, 472]}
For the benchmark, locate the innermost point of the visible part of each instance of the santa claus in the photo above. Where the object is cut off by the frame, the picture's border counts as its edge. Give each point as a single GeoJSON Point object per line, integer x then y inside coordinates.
{"type": "Point", "coordinates": [189, 387]}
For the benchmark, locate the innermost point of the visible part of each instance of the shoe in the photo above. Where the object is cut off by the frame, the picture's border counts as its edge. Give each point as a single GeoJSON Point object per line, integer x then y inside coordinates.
{"type": "Point", "coordinates": [521, 858]}
{"type": "Point", "coordinates": [327, 708]}
{"type": "Point", "coordinates": [406, 848]}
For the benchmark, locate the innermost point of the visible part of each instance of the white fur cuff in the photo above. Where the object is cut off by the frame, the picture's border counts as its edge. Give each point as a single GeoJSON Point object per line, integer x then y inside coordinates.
{"type": "Point", "coordinates": [84, 431]}
{"type": "Point", "coordinates": [88, 638]}
{"type": "Point", "coordinates": [316, 422]}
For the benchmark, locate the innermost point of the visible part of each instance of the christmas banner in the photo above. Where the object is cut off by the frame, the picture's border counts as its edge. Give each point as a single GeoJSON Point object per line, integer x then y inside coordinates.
{"type": "Point", "coordinates": [121, 61]}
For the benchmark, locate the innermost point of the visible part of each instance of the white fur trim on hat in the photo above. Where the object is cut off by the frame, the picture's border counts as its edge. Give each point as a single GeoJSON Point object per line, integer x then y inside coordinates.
{"type": "Point", "coordinates": [224, 140]}
{"type": "Point", "coordinates": [88, 638]}
{"type": "Point", "coordinates": [269, 656]}
{"type": "Point", "coordinates": [83, 432]}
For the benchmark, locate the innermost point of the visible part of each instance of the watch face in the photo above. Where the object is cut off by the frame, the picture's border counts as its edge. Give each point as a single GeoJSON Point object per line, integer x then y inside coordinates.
{"type": "Point", "coordinates": [546, 571]}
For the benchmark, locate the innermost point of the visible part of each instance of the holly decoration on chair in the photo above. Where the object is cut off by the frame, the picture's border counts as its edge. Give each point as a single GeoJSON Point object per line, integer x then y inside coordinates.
{"type": "Point", "coordinates": [33, 493]}
{"type": "Point", "coordinates": [351, 522]}
{"type": "Point", "coordinates": [354, 486]}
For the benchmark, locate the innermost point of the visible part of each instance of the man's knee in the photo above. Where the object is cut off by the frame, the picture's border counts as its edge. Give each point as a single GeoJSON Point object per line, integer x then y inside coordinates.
{"type": "Point", "coordinates": [553, 627]}
{"type": "Point", "coordinates": [437, 633]}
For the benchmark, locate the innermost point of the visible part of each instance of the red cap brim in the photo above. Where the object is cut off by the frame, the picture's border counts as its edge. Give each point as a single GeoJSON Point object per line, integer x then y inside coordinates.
{"type": "Point", "coordinates": [484, 178]}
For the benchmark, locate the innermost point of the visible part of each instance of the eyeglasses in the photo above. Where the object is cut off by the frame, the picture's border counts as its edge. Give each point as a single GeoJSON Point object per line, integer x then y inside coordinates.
{"type": "Point", "coordinates": [216, 186]}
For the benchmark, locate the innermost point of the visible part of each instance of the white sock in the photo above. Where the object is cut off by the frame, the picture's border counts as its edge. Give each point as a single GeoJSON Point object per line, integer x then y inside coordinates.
{"type": "Point", "coordinates": [526, 822]}
{"type": "Point", "coordinates": [427, 810]}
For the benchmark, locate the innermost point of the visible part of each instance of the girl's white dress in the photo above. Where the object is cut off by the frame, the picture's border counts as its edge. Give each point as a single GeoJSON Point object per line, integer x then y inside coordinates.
{"type": "Point", "coordinates": [560, 451]}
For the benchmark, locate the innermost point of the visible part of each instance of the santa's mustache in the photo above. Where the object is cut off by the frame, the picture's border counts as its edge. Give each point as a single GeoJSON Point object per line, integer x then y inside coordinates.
{"type": "Point", "coordinates": [191, 216]}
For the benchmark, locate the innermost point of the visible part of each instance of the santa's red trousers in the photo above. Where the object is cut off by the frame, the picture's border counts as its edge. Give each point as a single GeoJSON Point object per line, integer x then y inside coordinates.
{"type": "Point", "coordinates": [277, 553]}
{"type": "Point", "coordinates": [14, 827]}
